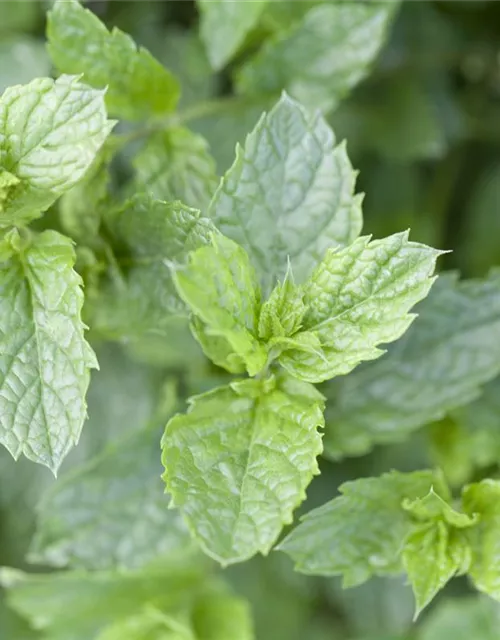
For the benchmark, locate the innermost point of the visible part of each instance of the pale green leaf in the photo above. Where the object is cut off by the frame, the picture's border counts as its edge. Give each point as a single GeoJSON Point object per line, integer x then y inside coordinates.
{"type": "Point", "coordinates": [77, 605]}
{"type": "Point", "coordinates": [154, 234]}
{"type": "Point", "coordinates": [433, 553]}
{"type": "Point", "coordinates": [462, 619]}
{"type": "Point", "coordinates": [176, 165]}
{"type": "Point", "coordinates": [282, 313]}
{"type": "Point", "coordinates": [357, 298]}
{"type": "Point", "coordinates": [228, 301]}
{"type": "Point", "coordinates": [50, 132]}
{"type": "Point", "coordinates": [483, 499]}
{"type": "Point", "coordinates": [44, 359]}
{"type": "Point", "coordinates": [289, 194]}
{"type": "Point", "coordinates": [361, 532]}
{"type": "Point", "coordinates": [138, 85]}
{"type": "Point", "coordinates": [432, 507]}
{"type": "Point", "coordinates": [451, 349]}
{"type": "Point", "coordinates": [217, 348]}
{"type": "Point", "coordinates": [239, 461]}
{"type": "Point", "coordinates": [319, 59]}
{"type": "Point", "coordinates": [224, 25]}
{"type": "Point", "coordinates": [110, 513]}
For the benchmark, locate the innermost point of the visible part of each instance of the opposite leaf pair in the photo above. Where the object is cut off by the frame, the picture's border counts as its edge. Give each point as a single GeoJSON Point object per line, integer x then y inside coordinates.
{"type": "Point", "coordinates": [416, 529]}
{"type": "Point", "coordinates": [239, 461]}
{"type": "Point", "coordinates": [357, 298]}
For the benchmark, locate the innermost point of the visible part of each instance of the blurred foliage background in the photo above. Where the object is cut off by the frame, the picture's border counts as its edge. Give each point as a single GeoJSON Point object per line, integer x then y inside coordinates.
{"type": "Point", "coordinates": [423, 129]}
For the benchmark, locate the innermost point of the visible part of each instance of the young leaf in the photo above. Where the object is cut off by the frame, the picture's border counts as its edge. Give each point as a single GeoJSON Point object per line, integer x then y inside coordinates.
{"type": "Point", "coordinates": [360, 533]}
{"type": "Point", "coordinates": [453, 348]}
{"type": "Point", "coordinates": [224, 25]}
{"type": "Point", "coordinates": [110, 513]}
{"type": "Point", "coordinates": [483, 499]}
{"type": "Point", "coordinates": [44, 358]}
{"type": "Point", "coordinates": [289, 193]}
{"type": "Point", "coordinates": [321, 58]}
{"type": "Point", "coordinates": [217, 348]}
{"type": "Point", "coordinates": [239, 461]}
{"type": "Point", "coordinates": [228, 302]}
{"type": "Point", "coordinates": [282, 313]}
{"type": "Point", "coordinates": [357, 298]}
{"type": "Point", "coordinates": [176, 165]}
{"type": "Point", "coordinates": [433, 553]}
{"type": "Point", "coordinates": [436, 549]}
{"type": "Point", "coordinates": [138, 85]}
{"type": "Point", "coordinates": [50, 132]}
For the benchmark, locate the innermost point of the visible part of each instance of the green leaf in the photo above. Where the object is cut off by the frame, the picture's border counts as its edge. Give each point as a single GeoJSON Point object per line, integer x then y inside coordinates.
{"type": "Point", "coordinates": [138, 85]}
{"type": "Point", "coordinates": [483, 498]}
{"type": "Point", "coordinates": [436, 549]}
{"type": "Point", "coordinates": [361, 532]}
{"type": "Point", "coordinates": [451, 349]}
{"type": "Point", "coordinates": [44, 358]}
{"type": "Point", "coordinates": [357, 298]}
{"type": "Point", "coordinates": [282, 314]}
{"type": "Point", "coordinates": [103, 516]}
{"type": "Point", "coordinates": [81, 208]}
{"type": "Point", "coordinates": [319, 59]}
{"type": "Point", "coordinates": [224, 25]}
{"type": "Point", "coordinates": [462, 619]}
{"type": "Point", "coordinates": [150, 624]}
{"type": "Point", "coordinates": [433, 553]}
{"type": "Point", "coordinates": [153, 234]}
{"type": "Point", "coordinates": [239, 461]}
{"type": "Point", "coordinates": [289, 193]}
{"type": "Point", "coordinates": [228, 302]}
{"type": "Point", "coordinates": [50, 132]}
{"type": "Point", "coordinates": [77, 605]}
{"type": "Point", "coordinates": [176, 165]}
{"type": "Point", "coordinates": [217, 348]}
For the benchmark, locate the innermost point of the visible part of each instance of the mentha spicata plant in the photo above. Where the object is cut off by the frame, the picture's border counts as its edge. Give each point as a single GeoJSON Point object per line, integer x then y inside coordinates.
{"type": "Point", "coordinates": [250, 335]}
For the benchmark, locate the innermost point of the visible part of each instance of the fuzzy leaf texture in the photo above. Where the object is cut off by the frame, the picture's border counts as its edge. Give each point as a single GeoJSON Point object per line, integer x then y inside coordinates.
{"type": "Point", "coordinates": [228, 302]}
{"type": "Point", "coordinates": [224, 25]}
{"type": "Point", "coordinates": [50, 132]}
{"type": "Point", "coordinates": [320, 58]}
{"type": "Point", "coordinates": [44, 358]}
{"type": "Point", "coordinates": [357, 298]}
{"type": "Point", "coordinates": [138, 85]}
{"type": "Point", "coordinates": [239, 461]}
{"type": "Point", "coordinates": [110, 513]}
{"type": "Point", "coordinates": [451, 349]}
{"type": "Point", "coordinates": [360, 533]}
{"type": "Point", "coordinates": [289, 194]}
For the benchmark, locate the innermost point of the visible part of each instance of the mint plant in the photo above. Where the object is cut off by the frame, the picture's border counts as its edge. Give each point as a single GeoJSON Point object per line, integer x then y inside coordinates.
{"type": "Point", "coordinates": [217, 360]}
